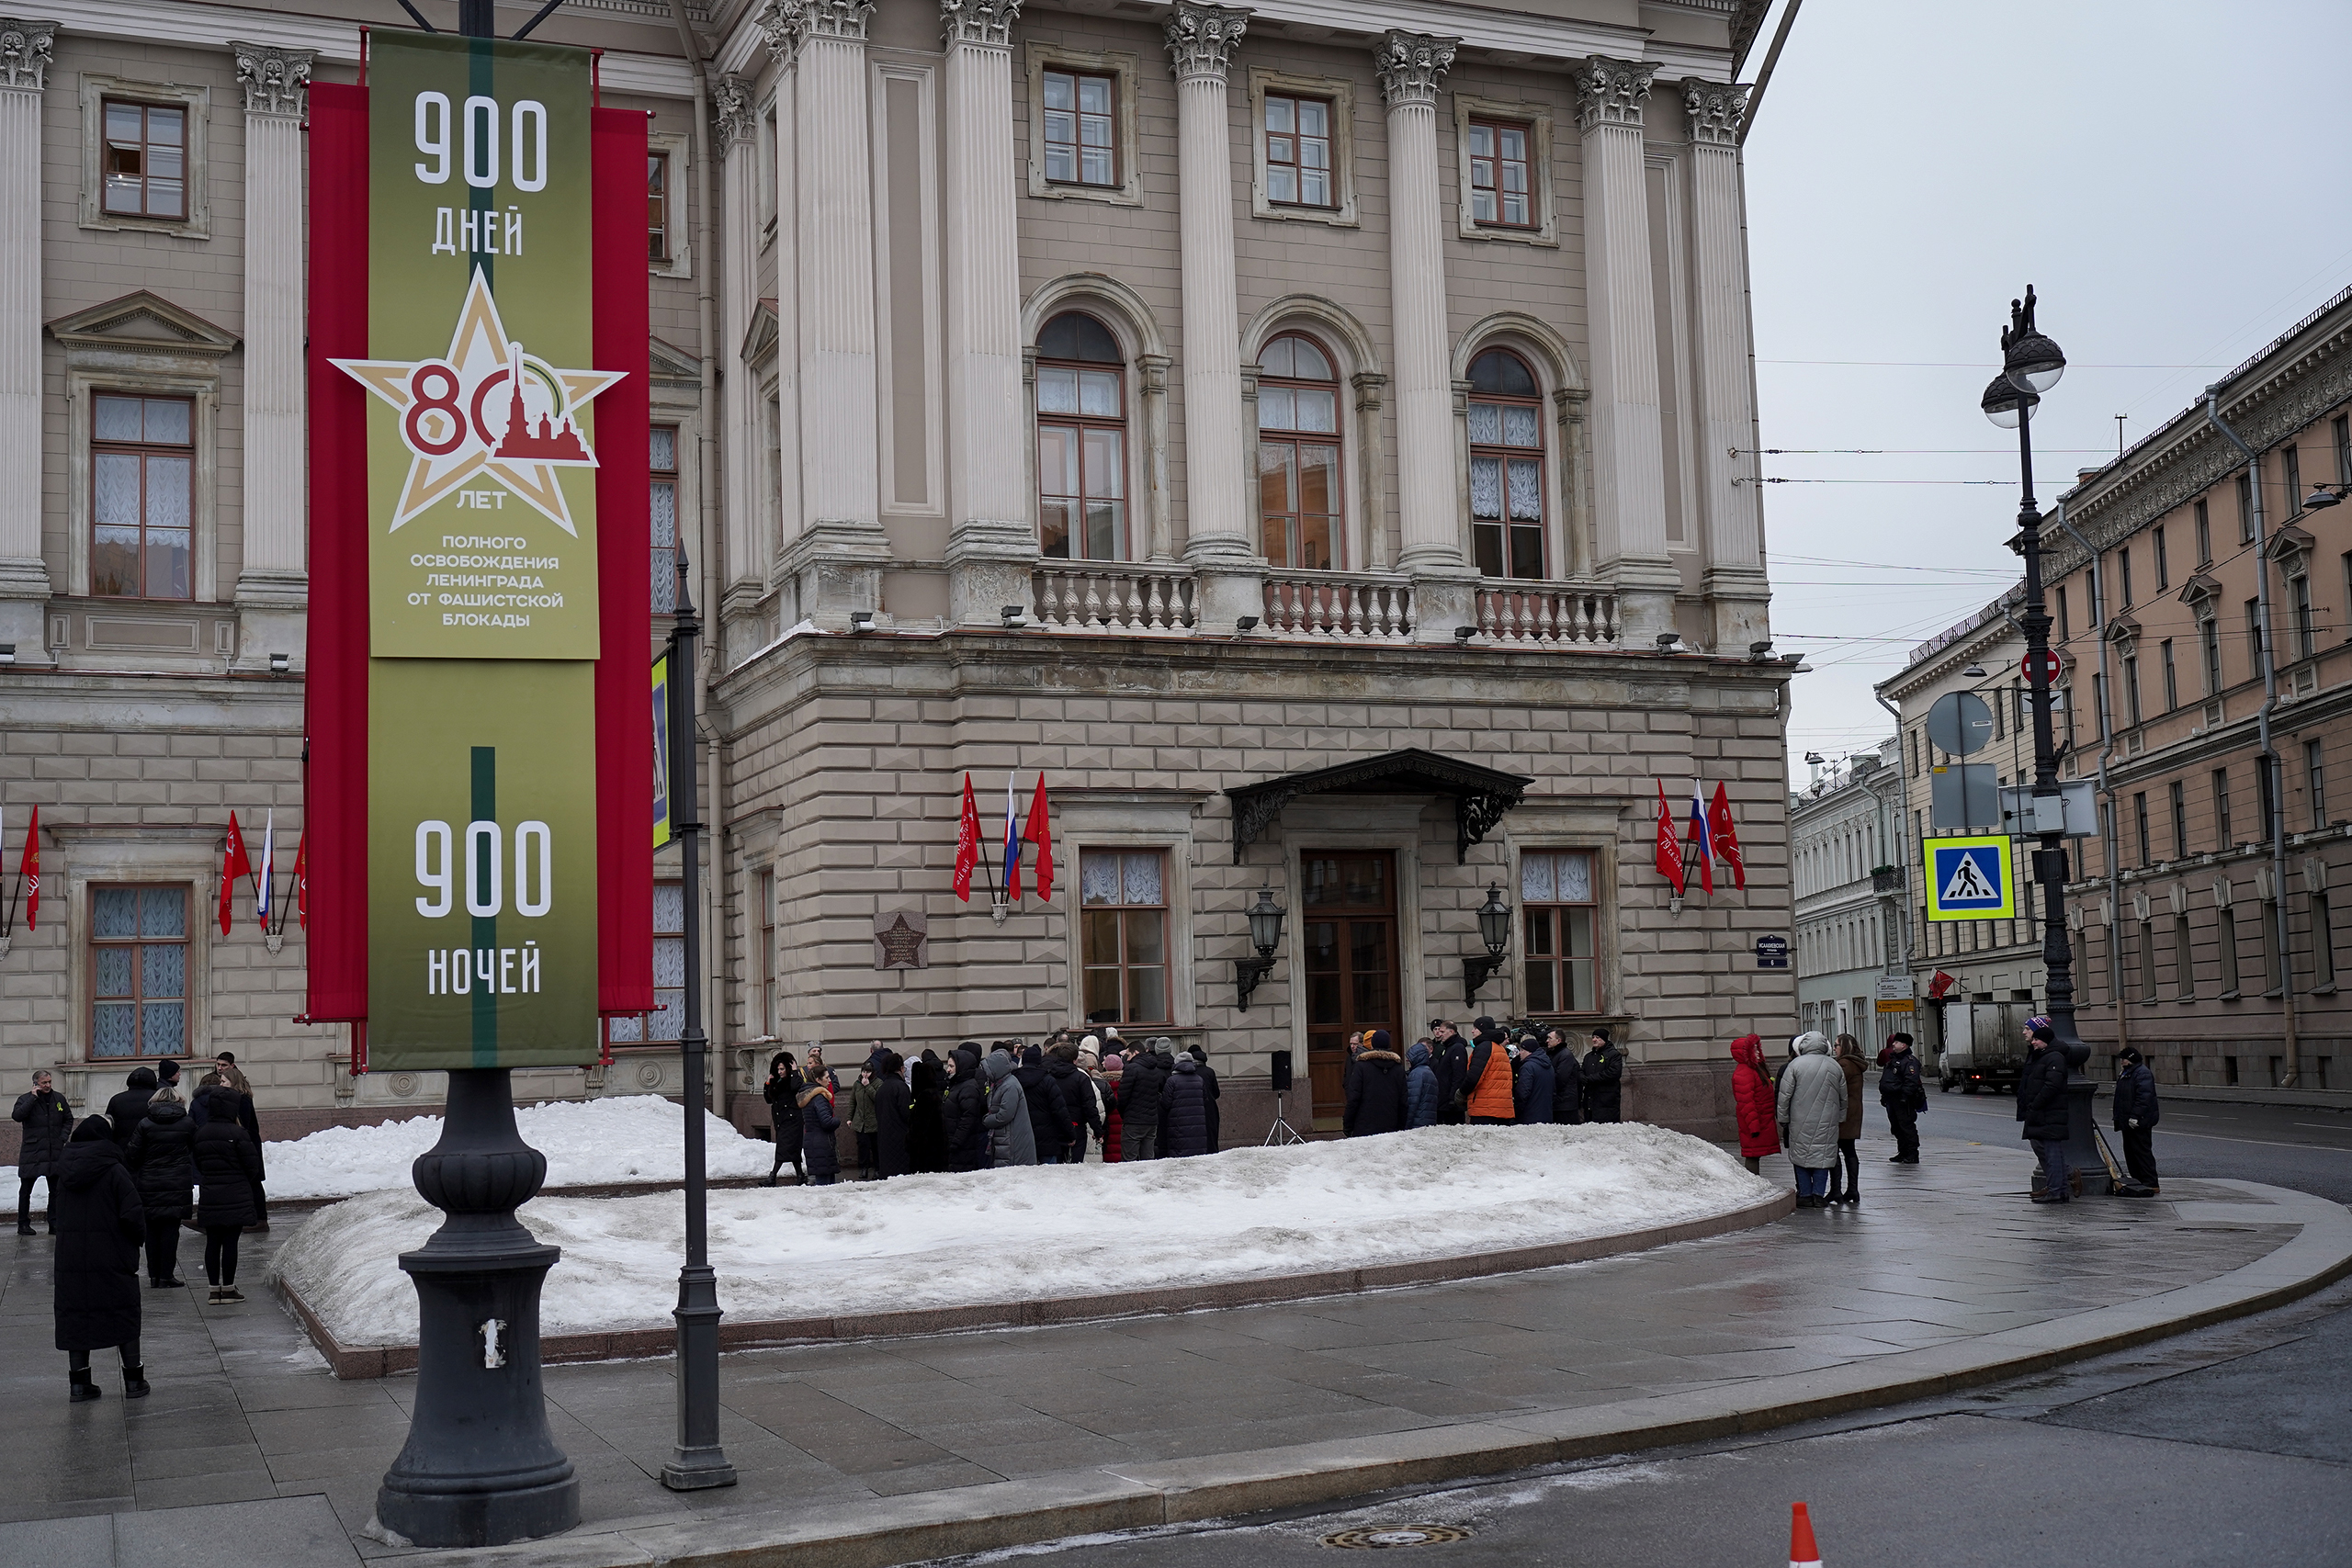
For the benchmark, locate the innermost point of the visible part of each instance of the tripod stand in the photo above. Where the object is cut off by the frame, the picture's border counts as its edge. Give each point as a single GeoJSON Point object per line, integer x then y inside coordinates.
{"type": "Point", "coordinates": [1282, 1133]}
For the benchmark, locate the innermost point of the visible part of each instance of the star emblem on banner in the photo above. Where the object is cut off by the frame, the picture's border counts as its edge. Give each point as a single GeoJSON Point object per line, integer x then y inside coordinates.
{"type": "Point", "coordinates": [488, 408]}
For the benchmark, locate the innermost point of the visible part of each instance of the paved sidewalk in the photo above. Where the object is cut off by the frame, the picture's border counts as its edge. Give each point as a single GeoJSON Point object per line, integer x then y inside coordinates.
{"type": "Point", "coordinates": [1944, 1271]}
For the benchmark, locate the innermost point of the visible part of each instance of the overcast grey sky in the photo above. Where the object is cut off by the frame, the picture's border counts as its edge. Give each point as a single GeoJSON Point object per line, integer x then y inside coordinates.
{"type": "Point", "coordinates": [2172, 177]}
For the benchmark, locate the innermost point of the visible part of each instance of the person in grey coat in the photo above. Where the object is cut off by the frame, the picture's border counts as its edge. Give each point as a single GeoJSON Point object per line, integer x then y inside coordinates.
{"type": "Point", "coordinates": [1812, 1104]}
{"type": "Point", "coordinates": [1010, 1138]}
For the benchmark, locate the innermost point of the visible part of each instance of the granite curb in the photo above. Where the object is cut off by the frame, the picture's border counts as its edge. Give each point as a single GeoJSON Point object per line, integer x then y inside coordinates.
{"type": "Point", "coordinates": [361, 1361]}
{"type": "Point", "coordinates": [877, 1532]}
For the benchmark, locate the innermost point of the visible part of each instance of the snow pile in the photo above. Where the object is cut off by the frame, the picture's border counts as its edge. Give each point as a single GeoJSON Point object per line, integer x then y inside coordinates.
{"type": "Point", "coordinates": [1050, 1231]}
{"type": "Point", "coordinates": [589, 1143]}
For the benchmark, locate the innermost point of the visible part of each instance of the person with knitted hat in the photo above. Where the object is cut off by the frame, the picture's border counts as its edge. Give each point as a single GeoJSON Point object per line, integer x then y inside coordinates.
{"type": "Point", "coordinates": [1376, 1098]}
{"type": "Point", "coordinates": [2136, 1118]}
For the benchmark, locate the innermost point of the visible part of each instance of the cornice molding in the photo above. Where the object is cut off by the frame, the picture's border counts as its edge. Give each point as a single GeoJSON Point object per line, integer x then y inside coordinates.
{"type": "Point", "coordinates": [277, 81]}
{"type": "Point", "coordinates": [1715, 110]}
{"type": "Point", "coordinates": [987, 23]}
{"type": "Point", "coordinates": [26, 48]}
{"type": "Point", "coordinates": [1411, 66]}
{"type": "Point", "coordinates": [1201, 39]}
{"type": "Point", "coordinates": [1609, 91]}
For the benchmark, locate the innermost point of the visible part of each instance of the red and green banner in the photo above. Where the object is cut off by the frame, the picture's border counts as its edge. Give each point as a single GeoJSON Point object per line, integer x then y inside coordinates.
{"type": "Point", "coordinates": [479, 548]}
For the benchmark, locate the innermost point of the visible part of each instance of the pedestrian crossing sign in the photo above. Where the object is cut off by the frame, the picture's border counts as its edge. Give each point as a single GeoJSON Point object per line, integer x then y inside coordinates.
{"type": "Point", "coordinates": [1970, 879]}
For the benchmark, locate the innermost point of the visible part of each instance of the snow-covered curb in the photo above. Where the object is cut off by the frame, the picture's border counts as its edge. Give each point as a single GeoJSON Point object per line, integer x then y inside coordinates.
{"type": "Point", "coordinates": [589, 1143]}
{"type": "Point", "coordinates": [942, 1243]}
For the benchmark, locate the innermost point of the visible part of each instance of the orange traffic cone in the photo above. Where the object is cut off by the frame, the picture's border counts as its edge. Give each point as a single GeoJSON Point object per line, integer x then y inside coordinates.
{"type": "Point", "coordinates": [1802, 1553]}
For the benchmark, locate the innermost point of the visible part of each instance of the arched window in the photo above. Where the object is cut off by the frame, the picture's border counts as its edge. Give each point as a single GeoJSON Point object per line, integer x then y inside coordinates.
{"type": "Point", "coordinates": [1506, 466]}
{"type": "Point", "coordinates": [1081, 441]}
{"type": "Point", "coordinates": [1298, 454]}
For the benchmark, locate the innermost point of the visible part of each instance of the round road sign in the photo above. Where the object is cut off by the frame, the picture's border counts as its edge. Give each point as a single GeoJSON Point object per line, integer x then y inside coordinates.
{"type": "Point", "coordinates": [2052, 666]}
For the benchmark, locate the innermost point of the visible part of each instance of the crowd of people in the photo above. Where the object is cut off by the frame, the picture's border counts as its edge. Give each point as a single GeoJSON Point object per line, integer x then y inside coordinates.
{"type": "Point", "coordinates": [1490, 1077]}
{"type": "Point", "coordinates": [124, 1182]}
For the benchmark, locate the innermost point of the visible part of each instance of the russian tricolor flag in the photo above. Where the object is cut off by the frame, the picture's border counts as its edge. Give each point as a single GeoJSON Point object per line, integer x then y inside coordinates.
{"type": "Point", "coordinates": [1012, 846]}
{"type": "Point", "coordinates": [1702, 839]}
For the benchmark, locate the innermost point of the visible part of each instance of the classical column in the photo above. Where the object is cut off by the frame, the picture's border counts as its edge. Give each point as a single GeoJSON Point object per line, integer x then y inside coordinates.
{"type": "Point", "coordinates": [1428, 506]}
{"type": "Point", "coordinates": [1629, 462]}
{"type": "Point", "coordinates": [992, 542]}
{"type": "Point", "coordinates": [24, 50]}
{"type": "Point", "coordinates": [780, 23]}
{"type": "Point", "coordinates": [839, 554]}
{"type": "Point", "coordinates": [273, 586]}
{"type": "Point", "coordinates": [741, 627]}
{"type": "Point", "coordinates": [1218, 477]}
{"type": "Point", "coordinates": [1736, 594]}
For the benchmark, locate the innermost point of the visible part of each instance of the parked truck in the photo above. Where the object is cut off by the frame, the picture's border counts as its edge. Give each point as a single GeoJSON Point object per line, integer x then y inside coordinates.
{"type": "Point", "coordinates": [1983, 1046]}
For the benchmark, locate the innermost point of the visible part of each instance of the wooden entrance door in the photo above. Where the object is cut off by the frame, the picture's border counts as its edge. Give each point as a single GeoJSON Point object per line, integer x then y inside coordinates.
{"type": "Point", "coordinates": [1351, 965]}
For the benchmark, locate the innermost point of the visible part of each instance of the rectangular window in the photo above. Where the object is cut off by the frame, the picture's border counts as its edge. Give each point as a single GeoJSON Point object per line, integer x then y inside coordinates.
{"type": "Point", "coordinates": [667, 1020]}
{"type": "Point", "coordinates": [2209, 635]}
{"type": "Point", "coordinates": [2294, 465]}
{"type": "Point", "coordinates": [2254, 637]}
{"type": "Point", "coordinates": [2172, 677]}
{"type": "Point", "coordinates": [2266, 795]}
{"type": "Point", "coordinates": [2066, 622]}
{"type": "Point", "coordinates": [2099, 702]}
{"type": "Point", "coordinates": [1560, 904]}
{"type": "Point", "coordinates": [138, 970]}
{"type": "Point", "coordinates": [2123, 573]}
{"type": "Point", "coordinates": [2163, 565]}
{"type": "Point", "coordinates": [2315, 781]}
{"type": "Point", "coordinates": [1298, 152]}
{"type": "Point", "coordinates": [767, 952]}
{"type": "Point", "coordinates": [142, 490]}
{"type": "Point", "coordinates": [2184, 971]}
{"type": "Point", "coordinates": [2323, 943]}
{"type": "Point", "coordinates": [2226, 937]}
{"type": "Point", "coordinates": [1500, 193]}
{"type": "Point", "coordinates": [2223, 837]}
{"type": "Point", "coordinates": [2131, 687]}
{"type": "Point", "coordinates": [146, 159]}
{"type": "Point", "coordinates": [2245, 509]}
{"type": "Point", "coordinates": [665, 519]}
{"type": "Point", "coordinates": [1125, 897]}
{"type": "Point", "coordinates": [657, 207]}
{"type": "Point", "coordinates": [1080, 143]}
{"type": "Point", "coordinates": [2147, 937]}
{"type": "Point", "coordinates": [2178, 791]}
{"type": "Point", "coordinates": [2299, 595]}
{"type": "Point", "coordinates": [2140, 821]}
{"type": "Point", "coordinates": [2341, 429]}
{"type": "Point", "coordinates": [2204, 535]}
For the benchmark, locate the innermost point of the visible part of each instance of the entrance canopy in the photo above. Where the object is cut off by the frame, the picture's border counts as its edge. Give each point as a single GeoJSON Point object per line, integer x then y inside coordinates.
{"type": "Point", "coordinates": [1480, 795]}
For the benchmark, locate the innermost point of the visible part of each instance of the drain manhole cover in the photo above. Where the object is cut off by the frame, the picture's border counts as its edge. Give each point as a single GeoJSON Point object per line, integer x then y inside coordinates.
{"type": "Point", "coordinates": [1378, 1536]}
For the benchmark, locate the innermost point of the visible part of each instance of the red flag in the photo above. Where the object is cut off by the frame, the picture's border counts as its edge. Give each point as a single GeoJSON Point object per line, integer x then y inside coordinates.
{"type": "Point", "coordinates": [1725, 836]}
{"type": "Point", "coordinates": [968, 843]}
{"type": "Point", "coordinates": [1939, 985]}
{"type": "Point", "coordinates": [1039, 831]}
{"type": "Point", "coordinates": [301, 882]}
{"type": "Point", "coordinates": [233, 865]}
{"type": "Point", "coordinates": [1669, 849]}
{"type": "Point", "coordinates": [28, 872]}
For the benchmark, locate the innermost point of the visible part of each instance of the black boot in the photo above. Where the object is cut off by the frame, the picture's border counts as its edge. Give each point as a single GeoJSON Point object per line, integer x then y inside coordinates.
{"type": "Point", "coordinates": [83, 1389]}
{"type": "Point", "coordinates": [134, 1383]}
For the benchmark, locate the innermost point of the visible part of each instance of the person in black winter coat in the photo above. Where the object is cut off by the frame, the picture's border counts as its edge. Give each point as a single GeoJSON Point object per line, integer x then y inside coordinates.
{"type": "Point", "coordinates": [1450, 1059]}
{"type": "Point", "coordinates": [782, 1091]}
{"type": "Point", "coordinates": [99, 1227]}
{"type": "Point", "coordinates": [1142, 1083]}
{"type": "Point", "coordinates": [124, 1109]}
{"type": "Point", "coordinates": [926, 1117]}
{"type": "Point", "coordinates": [1902, 1095]}
{"type": "Point", "coordinates": [1533, 1091]}
{"type": "Point", "coordinates": [1376, 1101]}
{"type": "Point", "coordinates": [819, 1127]}
{"type": "Point", "coordinates": [228, 1169]}
{"type": "Point", "coordinates": [2135, 1116]}
{"type": "Point", "coordinates": [2042, 1106]}
{"type": "Point", "coordinates": [968, 1102]}
{"type": "Point", "coordinates": [1185, 1111]}
{"type": "Point", "coordinates": [1078, 1098]}
{"type": "Point", "coordinates": [161, 1159]}
{"type": "Point", "coordinates": [893, 1118]}
{"type": "Point", "coordinates": [1208, 1082]}
{"type": "Point", "coordinates": [223, 1094]}
{"type": "Point", "coordinates": [1568, 1082]}
{"type": "Point", "coordinates": [48, 1121]}
{"type": "Point", "coordinates": [1049, 1115]}
{"type": "Point", "coordinates": [1602, 1075]}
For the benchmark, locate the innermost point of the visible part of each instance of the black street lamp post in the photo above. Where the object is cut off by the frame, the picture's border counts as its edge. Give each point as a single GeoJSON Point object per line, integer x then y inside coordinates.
{"type": "Point", "coordinates": [698, 1460]}
{"type": "Point", "coordinates": [2031, 365]}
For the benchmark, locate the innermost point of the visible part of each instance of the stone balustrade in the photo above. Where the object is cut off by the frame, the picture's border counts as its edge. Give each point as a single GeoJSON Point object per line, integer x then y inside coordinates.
{"type": "Point", "coordinates": [1548, 615]}
{"type": "Point", "coordinates": [1103, 596]}
{"type": "Point", "coordinates": [1375, 607]}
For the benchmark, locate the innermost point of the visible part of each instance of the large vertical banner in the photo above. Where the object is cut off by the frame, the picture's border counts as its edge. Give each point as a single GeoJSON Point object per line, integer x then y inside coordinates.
{"type": "Point", "coordinates": [477, 579]}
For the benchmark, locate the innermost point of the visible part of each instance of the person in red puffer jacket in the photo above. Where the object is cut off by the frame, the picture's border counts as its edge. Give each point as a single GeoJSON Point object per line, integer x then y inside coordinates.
{"type": "Point", "coordinates": [1751, 1091]}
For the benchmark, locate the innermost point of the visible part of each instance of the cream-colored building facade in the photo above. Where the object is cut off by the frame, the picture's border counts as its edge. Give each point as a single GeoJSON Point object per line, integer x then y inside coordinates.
{"type": "Point", "coordinates": [1303, 434]}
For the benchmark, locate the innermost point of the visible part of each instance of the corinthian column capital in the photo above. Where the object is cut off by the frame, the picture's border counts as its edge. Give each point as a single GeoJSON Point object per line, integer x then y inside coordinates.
{"type": "Point", "coordinates": [730, 106]}
{"type": "Point", "coordinates": [987, 22]}
{"type": "Point", "coordinates": [1410, 64]}
{"type": "Point", "coordinates": [1717, 110]}
{"type": "Point", "coordinates": [834, 18]}
{"type": "Point", "coordinates": [277, 81]}
{"type": "Point", "coordinates": [1201, 38]}
{"type": "Point", "coordinates": [1610, 92]}
{"type": "Point", "coordinates": [24, 50]}
{"type": "Point", "coordinates": [780, 23]}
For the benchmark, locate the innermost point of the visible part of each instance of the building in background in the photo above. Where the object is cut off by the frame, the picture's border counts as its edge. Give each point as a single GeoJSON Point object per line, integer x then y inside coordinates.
{"type": "Point", "coordinates": [2207, 604]}
{"type": "Point", "coordinates": [1843, 841]}
{"type": "Point", "coordinates": [1304, 438]}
